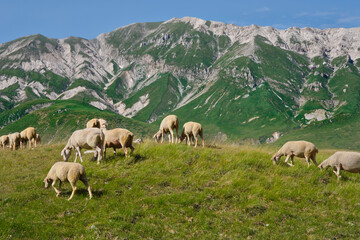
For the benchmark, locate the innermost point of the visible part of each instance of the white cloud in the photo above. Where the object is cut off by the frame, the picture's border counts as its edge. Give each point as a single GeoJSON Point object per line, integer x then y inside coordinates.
{"type": "Point", "coordinates": [263, 9]}
{"type": "Point", "coordinates": [354, 19]}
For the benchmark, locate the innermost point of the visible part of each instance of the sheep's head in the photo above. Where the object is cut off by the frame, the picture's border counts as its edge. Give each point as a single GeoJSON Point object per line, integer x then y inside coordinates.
{"type": "Point", "coordinates": [65, 153]}
{"type": "Point", "coordinates": [323, 165]}
{"type": "Point", "coordinates": [157, 136]}
{"type": "Point", "coordinates": [181, 138]}
{"type": "Point", "coordinates": [275, 158]}
{"type": "Point", "coordinates": [47, 182]}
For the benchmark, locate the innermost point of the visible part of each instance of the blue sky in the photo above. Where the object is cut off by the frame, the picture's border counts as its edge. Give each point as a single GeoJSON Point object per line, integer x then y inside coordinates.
{"type": "Point", "coordinates": [88, 19]}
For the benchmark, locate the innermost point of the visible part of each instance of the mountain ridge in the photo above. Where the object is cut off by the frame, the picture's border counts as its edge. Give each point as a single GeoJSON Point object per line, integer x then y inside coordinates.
{"type": "Point", "coordinates": [205, 70]}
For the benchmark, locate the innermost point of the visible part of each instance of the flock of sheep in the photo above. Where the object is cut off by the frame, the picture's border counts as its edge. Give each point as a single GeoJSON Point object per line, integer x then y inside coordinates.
{"type": "Point", "coordinates": [98, 138]}
{"type": "Point", "coordinates": [16, 139]}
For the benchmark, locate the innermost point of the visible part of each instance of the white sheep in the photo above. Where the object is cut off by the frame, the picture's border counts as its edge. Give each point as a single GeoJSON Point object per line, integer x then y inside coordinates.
{"type": "Point", "coordinates": [118, 138]}
{"type": "Point", "coordinates": [4, 140]}
{"type": "Point", "coordinates": [302, 149]}
{"type": "Point", "coordinates": [67, 171]}
{"type": "Point", "coordinates": [27, 136]}
{"type": "Point", "coordinates": [36, 140]}
{"type": "Point", "coordinates": [191, 130]}
{"type": "Point", "coordinates": [88, 138]}
{"type": "Point", "coordinates": [348, 161]}
{"type": "Point", "coordinates": [168, 125]}
{"type": "Point", "coordinates": [14, 140]}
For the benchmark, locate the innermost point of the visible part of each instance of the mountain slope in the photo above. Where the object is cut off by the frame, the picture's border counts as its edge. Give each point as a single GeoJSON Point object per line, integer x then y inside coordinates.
{"type": "Point", "coordinates": [246, 82]}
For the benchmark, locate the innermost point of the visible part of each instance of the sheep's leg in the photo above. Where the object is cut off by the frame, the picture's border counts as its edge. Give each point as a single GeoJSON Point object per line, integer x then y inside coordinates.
{"type": "Point", "coordinates": [98, 150]}
{"type": "Point", "coordinates": [196, 139]}
{"type": "Point", "coordinates": [73, 191]}
{"type": "Point", "coordinates": [313, 158]}
{"type": "Point", "coordinates": [79, 152]}
{"type": "Point", "coordinates": [162, 136]}
{"type": "Point", "coordinates": [337, 172]}
{"type": "Point", "coordinates": [308, 161]}
{"type": "Point", "coordinates": [76, 155]}
{"type": "Point", "coordinates": [114, 151]}
{"type": "Point", "coordinates": [125, 150]}
{"type": "Point", "coordinates": [87, 187]}
{"type": "Point", "coordinates": [287, 158]}
{"type": "Point", "coordinates": [187, 139]}
{"type": "Point", "coordinates": [132, 149]}
{"type": "Point", "coordinates": [57, 191]}
{"type": "Point", "coordinates": [292, 161]}
{"type": "Point", "coordinates": [172, 135]}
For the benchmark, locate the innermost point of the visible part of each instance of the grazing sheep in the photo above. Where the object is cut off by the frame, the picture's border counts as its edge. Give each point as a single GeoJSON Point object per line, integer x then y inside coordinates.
{"type": "Point", "coordinates": [302, 149]}
{"type": "Point", "coordinates": [168, 124]}
{"type": "Point", "coordinates": [4, 140]}
{"type": "Point", "coordinates": [14, 140]}
{"type": "Point", "coordinates": [66, 171]}
{"type": "Point", "coordinates": [27, 136]}
{"type": "Point", "coordinates": [348, 161]}
{"type": "Point", "coordinates": [88, 138]}
{"type": "Point", "coordinates": [118, 138]}
{"type": "Point", "coordinates": [192, 129]}
{"type": "Point", "coordinates": [93, 123]}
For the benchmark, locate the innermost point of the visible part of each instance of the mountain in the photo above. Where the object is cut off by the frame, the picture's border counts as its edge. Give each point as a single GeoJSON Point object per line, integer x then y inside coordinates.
{"type": "Point", "coordinates": [239, 82]}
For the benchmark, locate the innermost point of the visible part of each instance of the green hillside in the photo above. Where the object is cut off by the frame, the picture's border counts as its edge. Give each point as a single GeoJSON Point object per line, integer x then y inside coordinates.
{"type": "Point", "coordinates": [57, 121]}
{"type": "Point", "coordinates": [178, 192]}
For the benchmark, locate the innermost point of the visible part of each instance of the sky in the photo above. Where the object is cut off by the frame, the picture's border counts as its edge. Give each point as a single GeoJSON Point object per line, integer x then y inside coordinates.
{"type": "Point", "coordinates": [90, 18]}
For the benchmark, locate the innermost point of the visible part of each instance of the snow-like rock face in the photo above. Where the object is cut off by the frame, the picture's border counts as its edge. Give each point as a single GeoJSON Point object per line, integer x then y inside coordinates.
{"type": "Point", "coordinates": [98, 105]}
{"type": "Point", "coordinates": [318, 115]}
{"type": "Point", "coordinates": [312, 42]}
{"type": "Point", "coordinates": [134, 109]}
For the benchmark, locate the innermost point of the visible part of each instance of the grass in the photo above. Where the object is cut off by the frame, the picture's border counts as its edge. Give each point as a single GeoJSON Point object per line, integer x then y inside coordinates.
{"type": "Point", "coordinates": [175, 192]}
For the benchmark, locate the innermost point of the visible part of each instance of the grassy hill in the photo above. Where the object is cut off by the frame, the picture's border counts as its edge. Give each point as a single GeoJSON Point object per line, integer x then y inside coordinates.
{"type": "Point", "coordinates": [59, 119]}
{"type": "Point", "coordinates": [176, 192]}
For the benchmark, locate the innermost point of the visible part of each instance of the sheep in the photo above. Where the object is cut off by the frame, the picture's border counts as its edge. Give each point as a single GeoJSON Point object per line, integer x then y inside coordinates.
{"type": "Point", "coordinates": [118, 138]}
{"type": "Point", "coordinates": [93, 123]}
{"type": "Point", "coordinates": [168, 124]}
{"type": "Point", "coordinates": [67, 171]}
{"type": "Point", "coordinates": [14, 140]}
{"type": "Point", "coordinates": [27, 136]}
{"type": "Point", "coordinates": [192, 129]}
{"type": "Point", "coordinates": [4, 140]}
{"type": "Point", "coordinates": [302, 149]}
{"type": "Point", "coordinates": [36, 140]}
{"type": "Point", "coordinates": [88, 138]}
{"type": "Point", "coordinates": [348, 161]}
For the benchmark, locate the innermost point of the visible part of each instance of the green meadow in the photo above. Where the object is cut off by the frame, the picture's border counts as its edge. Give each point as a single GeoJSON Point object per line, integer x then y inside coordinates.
{"type": "Point", "coordinates": [178, 192]}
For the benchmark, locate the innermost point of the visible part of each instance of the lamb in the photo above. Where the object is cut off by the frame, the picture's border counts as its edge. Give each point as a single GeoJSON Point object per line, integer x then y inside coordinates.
{"type": "Point", "coordinates": [192, 129]}
{"type": "Point", "coordinates": [67, 171]}
{"type": "Point", "coordinates": [88, 138]}
{"type": "Point", "coordinates": [348, 161]}
{"type": "Point", "coordinates": [118, 138]}
{"type": "Point", "coordinates": [4, 140]}
{"type": "Point", "coordinates": [27, 136]}
{"type": "Point", "coordinates": [168, 124]}
{"type": "Point", "coordinates": [302, 149]}
{"type": "Point", "coordinates": [93, 123]}
{"type": "Point", "coordinates": [14, 140]}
